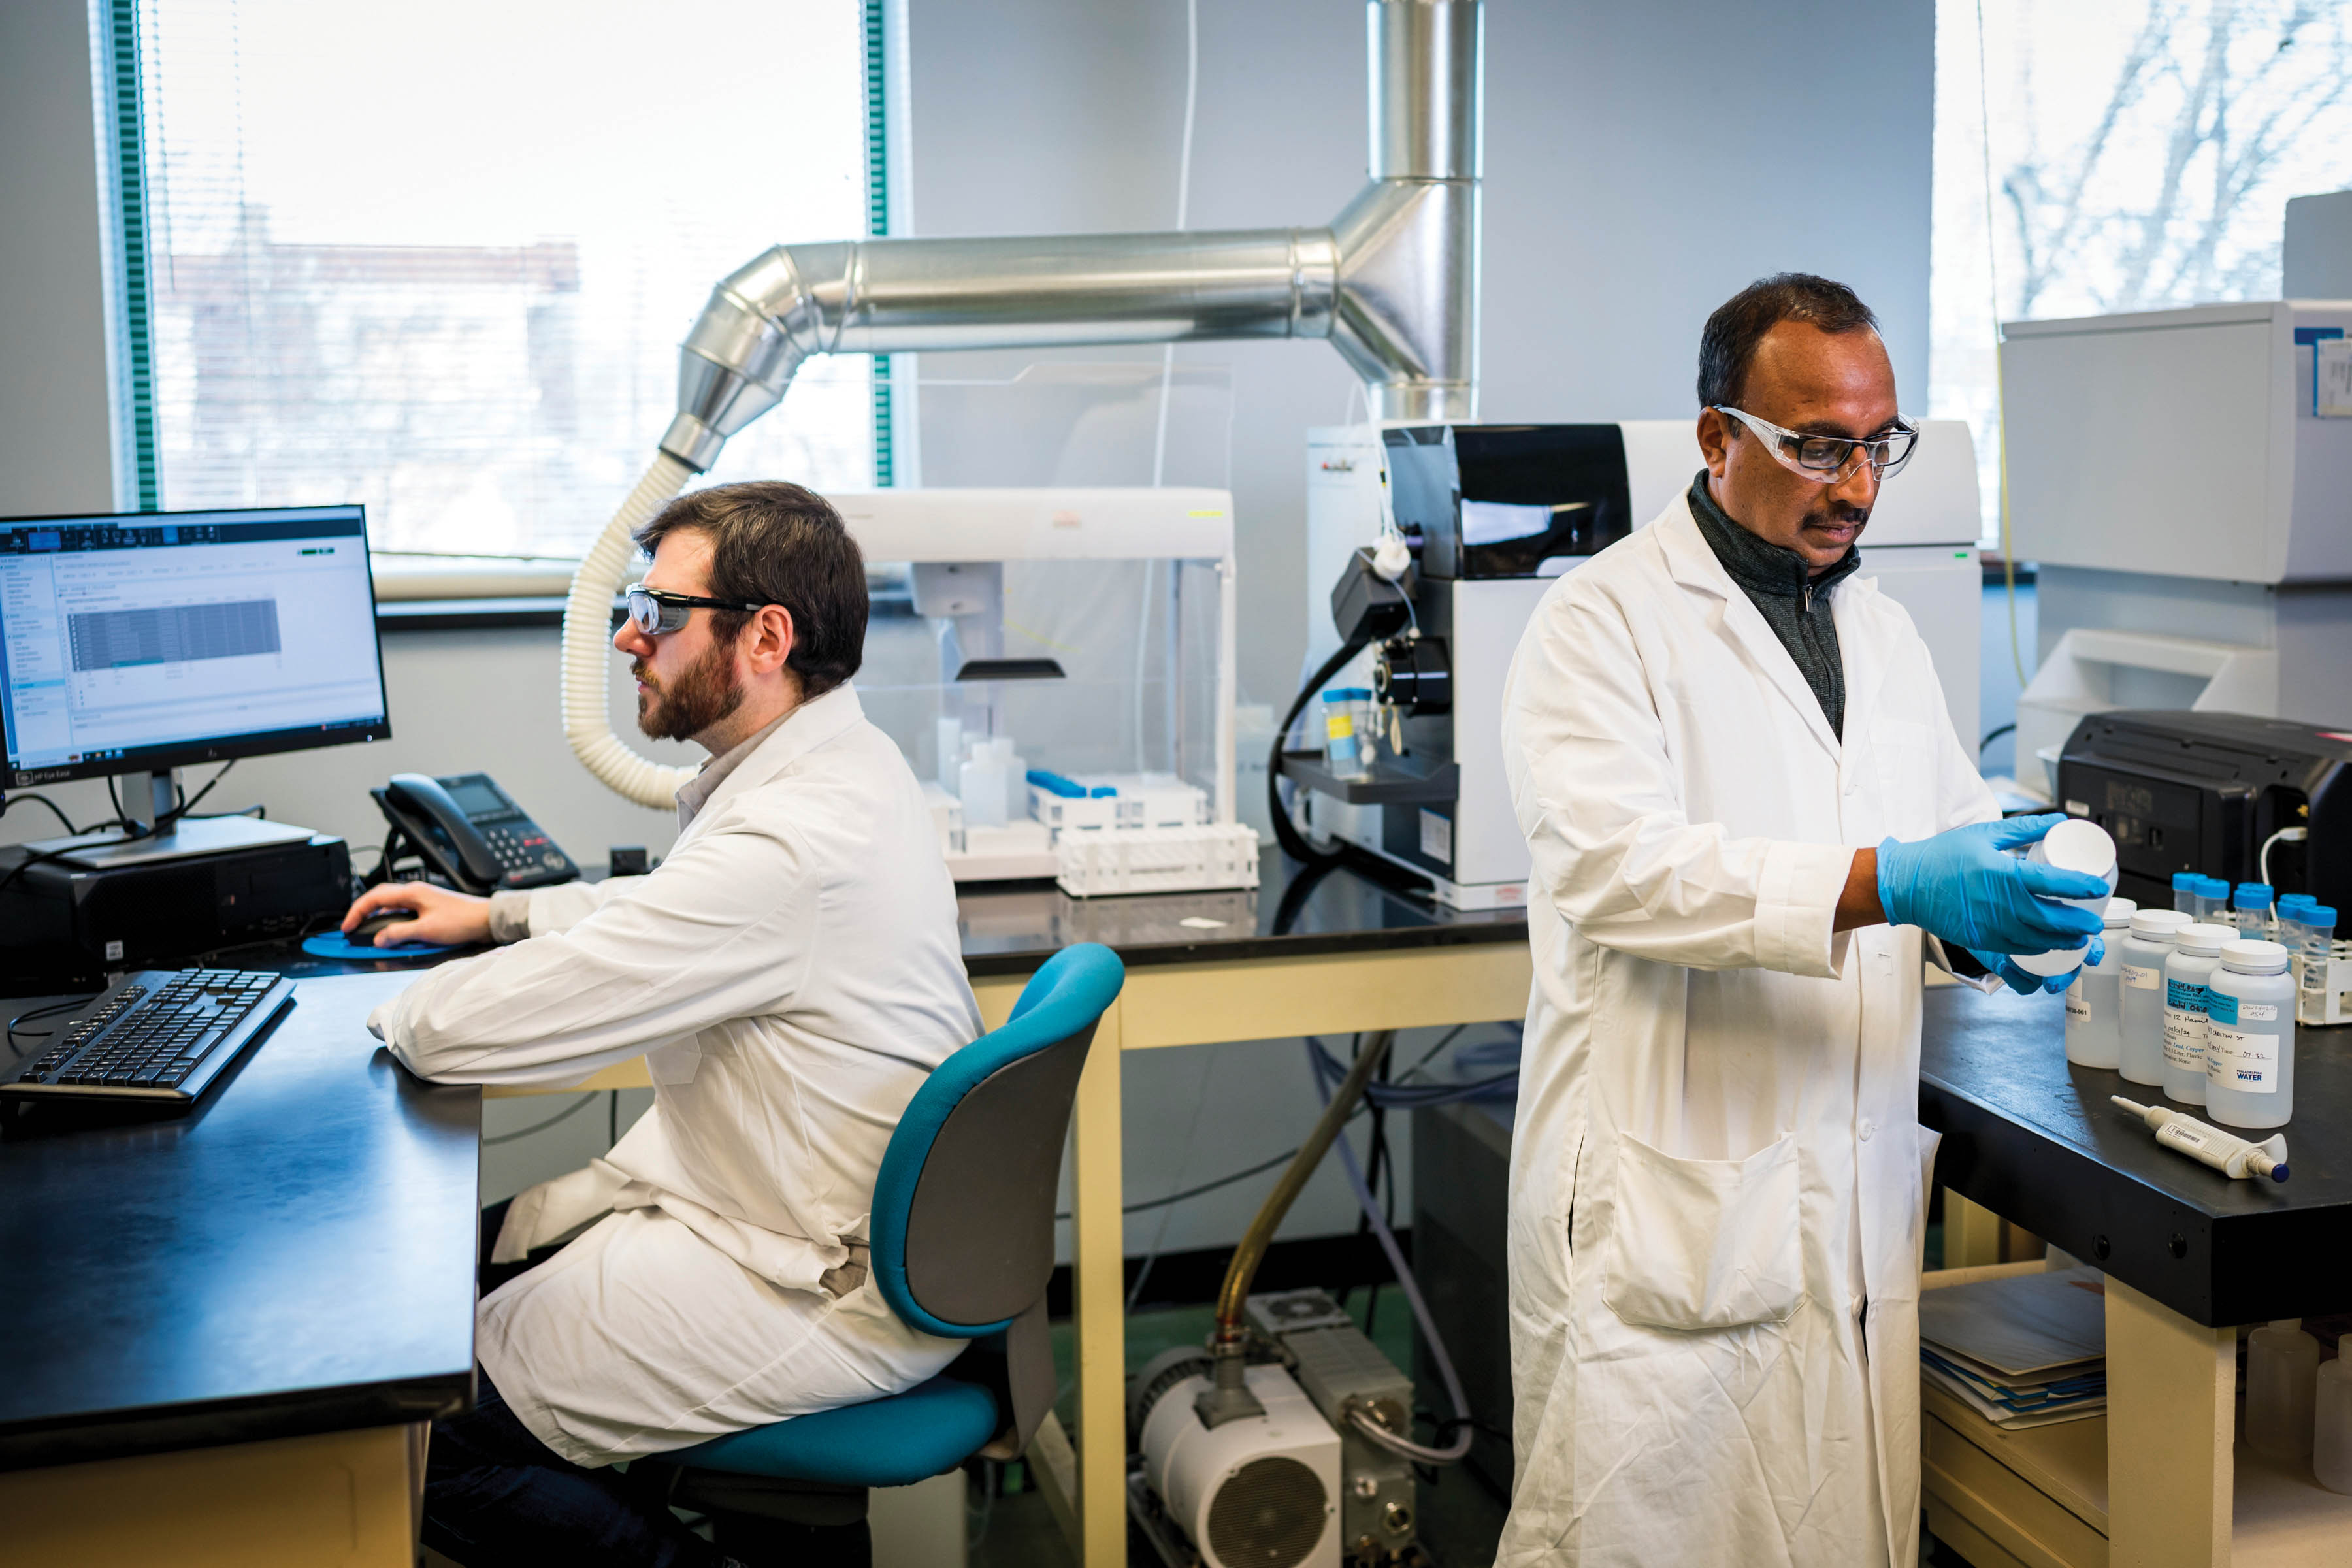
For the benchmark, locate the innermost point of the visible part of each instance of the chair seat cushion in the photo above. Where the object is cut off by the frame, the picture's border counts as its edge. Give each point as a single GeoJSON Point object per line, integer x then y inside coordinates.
{"type": "Point", "coordinates": [894, 1442]}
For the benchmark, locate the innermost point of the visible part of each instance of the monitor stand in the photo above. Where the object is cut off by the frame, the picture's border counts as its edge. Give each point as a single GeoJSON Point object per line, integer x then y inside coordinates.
{"type": "Point", "coordinates": [183, 839]}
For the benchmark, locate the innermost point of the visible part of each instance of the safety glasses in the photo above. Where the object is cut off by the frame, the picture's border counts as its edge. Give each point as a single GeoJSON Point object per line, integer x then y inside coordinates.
{"type": "Point", "coordinates": [1828, 460]}
{"type": "Point", "coordinates": [656, 612]}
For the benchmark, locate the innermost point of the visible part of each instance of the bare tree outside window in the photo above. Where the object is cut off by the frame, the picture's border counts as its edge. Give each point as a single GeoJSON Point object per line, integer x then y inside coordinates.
{"type": "Point", "coordinates": [2097, 156]}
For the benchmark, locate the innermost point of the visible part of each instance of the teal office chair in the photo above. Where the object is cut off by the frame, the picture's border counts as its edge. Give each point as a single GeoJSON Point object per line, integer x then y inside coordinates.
{"type": "Point", "coordinates": [962, 1246]}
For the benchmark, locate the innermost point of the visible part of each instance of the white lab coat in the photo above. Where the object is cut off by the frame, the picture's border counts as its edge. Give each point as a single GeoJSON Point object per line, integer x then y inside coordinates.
{"type": "Point", "coordinates": [1717, 1185]}
{"type": "Point", "coordinates": [791, 973]}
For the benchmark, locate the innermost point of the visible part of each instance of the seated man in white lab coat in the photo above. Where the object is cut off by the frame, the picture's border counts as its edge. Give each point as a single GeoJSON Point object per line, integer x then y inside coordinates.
{"type": "Point", "coordinates": [791, 973]}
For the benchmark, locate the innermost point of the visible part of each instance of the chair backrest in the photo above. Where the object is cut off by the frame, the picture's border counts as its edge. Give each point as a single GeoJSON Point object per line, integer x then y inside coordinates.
{"type": "Point", "coordinates": [963, 1208]}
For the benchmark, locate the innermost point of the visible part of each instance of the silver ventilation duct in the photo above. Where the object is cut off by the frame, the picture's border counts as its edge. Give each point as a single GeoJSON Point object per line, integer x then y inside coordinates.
{"type": "Point", "coordinates": [1393, 283]}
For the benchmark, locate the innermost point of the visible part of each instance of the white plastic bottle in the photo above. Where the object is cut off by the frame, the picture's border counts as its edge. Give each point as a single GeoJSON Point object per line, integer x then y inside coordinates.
{"type": "Point", "coordinates": [984, 786]}
{"type": "Point", "coordinates": [2145, 949]}
{"type": "Point", "coordinates": [2095, 1035]}
{"type": "Point", "coordinates": [2250, 1037]}
{"type": "Point", "coordinates": [2331, 1426]}
{"type": "Point", "coordinates": [2282, 1388]}
{"type": "Point", "coordinates": [2196, 954]}
{"type": "Point", "coordinates": [2074, 844]}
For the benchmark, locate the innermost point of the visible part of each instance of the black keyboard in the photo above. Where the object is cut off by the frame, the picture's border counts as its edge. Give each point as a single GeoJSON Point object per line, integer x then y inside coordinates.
{"type": "Point", "coordinates": [158, 1037]}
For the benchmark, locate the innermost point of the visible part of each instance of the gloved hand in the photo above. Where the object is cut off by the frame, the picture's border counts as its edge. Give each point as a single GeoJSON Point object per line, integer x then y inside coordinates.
{"type": "Point", "coordinates": [2025, 983]}
{"type": "Point", "coordinates": [1960, 885]}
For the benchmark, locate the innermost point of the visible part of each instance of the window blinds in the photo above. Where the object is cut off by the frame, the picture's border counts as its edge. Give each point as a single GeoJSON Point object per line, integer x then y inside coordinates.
{"type": "Point", "coordinates": [435, 258]}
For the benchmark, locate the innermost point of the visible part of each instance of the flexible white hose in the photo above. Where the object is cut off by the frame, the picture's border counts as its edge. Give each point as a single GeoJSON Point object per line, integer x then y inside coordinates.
{"type": "Point", "coordinates": [588, 646]}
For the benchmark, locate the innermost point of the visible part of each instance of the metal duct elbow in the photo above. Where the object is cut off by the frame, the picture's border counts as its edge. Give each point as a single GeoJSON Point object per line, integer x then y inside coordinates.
{"type": "Point", "coordinates": [886, 296]}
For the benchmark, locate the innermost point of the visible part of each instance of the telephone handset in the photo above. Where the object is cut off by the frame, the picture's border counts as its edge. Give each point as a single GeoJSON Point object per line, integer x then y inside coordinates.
{"type": "Point", "coordinates": [469, 831]}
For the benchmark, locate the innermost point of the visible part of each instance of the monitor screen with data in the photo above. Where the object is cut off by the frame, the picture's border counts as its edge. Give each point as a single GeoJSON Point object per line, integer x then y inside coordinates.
{"type": "Point", "coordinates": [148, 641]}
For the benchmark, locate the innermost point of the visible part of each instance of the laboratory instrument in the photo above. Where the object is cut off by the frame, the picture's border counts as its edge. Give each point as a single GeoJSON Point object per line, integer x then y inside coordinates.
{"type": "Point", "coordinates": [1488, 516]}
{"type": "Point", "coordinates": [2331, 1426]}
{"type": "Point", "coordinates": [2196, 954]}
{"type": "Point", "coordinates": [2094, 1002]}
{"type": "Point", "coordinates": [1244, 1442]}
{"type": "Point", "coordinates": [2072, 845]}
{"type": "Point", "coordinates": [2146, 947]}
{"type": "Point", "coordinates": [1059, 742]}
{"type": "Point", "coordinates": [1391, 282]}
{"type": "Point", "coordinates": [2250, 1037]}
{"type": "Point", "coordinates": [2233, 1156]}
{"type": "Point", "coordinates": [2212, 509]}
{"type": "Point", "coordinates": [2250, 909]}
{"type": "Point", "coordinates": [2206, 792]}
{"type": "Point", "coordinates": [2282, 1387]}
{"type": "Point", "coordinates": [152, 1041]}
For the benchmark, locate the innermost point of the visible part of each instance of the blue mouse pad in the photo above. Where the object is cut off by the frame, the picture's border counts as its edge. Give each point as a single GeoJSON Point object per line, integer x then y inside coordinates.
{"type": "Point", "coordinates": [335, 944]}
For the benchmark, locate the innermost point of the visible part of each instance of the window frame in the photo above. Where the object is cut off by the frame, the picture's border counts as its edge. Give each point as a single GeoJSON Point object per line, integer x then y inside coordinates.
{"type": "Point", "coordinates": [414, 590]}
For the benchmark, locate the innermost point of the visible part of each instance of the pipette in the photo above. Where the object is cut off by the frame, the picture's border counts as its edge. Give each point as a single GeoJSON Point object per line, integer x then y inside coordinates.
{"type": "Point", "coordinates": [2225, 1151]}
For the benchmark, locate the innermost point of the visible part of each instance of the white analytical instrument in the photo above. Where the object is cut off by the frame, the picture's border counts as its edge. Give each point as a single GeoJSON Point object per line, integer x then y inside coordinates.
{"type": "Point", "coordinates": [1067, 695]}
{"type": "Point", "coordinates": [1494, 512]}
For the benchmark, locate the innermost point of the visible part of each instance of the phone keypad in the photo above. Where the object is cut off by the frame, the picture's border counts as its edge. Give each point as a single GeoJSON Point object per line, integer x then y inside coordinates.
{"type": "Point", "coordinates": [525, 853]}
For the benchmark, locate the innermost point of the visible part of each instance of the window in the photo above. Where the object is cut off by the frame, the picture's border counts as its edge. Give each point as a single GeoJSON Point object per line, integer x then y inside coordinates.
{"type": "Point", "coordinates": [2116, 155]}
{"type": "Point", "coordinates": [436, 258]}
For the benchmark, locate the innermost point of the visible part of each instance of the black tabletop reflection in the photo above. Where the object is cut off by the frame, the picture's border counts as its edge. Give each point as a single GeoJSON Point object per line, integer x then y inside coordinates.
{"type": "Point", "coordinates": [2036, 1140]}
{"type": "Point", "coordinates": [296, 1255]}
{"type": "Point", "coordinates": [1296, 910]}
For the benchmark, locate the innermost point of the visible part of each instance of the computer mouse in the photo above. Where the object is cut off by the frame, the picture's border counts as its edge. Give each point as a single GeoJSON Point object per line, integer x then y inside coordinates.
{"type": "Point", "coordinates": [364, 934]}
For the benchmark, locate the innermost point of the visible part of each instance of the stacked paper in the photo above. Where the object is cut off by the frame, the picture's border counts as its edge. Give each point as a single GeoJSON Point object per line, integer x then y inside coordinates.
{"type": "Point", "coordinates": [2025, 1351]}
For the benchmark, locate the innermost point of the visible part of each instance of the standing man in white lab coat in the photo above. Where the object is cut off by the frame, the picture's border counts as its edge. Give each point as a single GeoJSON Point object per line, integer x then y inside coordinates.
{"type": "Point", "coordinates": [1745, 804]}
{"type": "Point", "coordinates": [791, 973]}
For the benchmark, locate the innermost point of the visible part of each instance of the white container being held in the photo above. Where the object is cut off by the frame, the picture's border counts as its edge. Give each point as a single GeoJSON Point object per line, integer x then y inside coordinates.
{"type": "Point", "coordinates": [2074, 844]}
{"type": "Point", "coordinates": [2250, 1037]}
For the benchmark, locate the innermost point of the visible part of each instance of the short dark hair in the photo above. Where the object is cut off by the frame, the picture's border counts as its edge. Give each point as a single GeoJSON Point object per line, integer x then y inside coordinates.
{"type": "Point", "coordinates": [776, 543]}
{"type": "Point", "coordinates": [1727, 347]}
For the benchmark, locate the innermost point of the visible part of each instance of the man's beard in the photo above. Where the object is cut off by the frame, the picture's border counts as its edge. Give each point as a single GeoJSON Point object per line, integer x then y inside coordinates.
{"type": "Point", "coordinates": [702, 695]}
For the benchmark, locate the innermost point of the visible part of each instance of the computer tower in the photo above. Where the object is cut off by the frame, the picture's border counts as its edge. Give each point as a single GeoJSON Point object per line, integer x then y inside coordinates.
{"type": "Point", "coordinates": [60, 921]}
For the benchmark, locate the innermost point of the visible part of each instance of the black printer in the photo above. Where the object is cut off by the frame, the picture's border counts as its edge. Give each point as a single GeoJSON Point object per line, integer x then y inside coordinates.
{"type": "Point", "coordinates": [2205, 792]}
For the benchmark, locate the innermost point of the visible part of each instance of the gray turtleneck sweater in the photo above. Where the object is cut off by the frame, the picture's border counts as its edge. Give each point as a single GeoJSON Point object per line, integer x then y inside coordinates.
{"type": "Point", "coordinates": [1793, 602]}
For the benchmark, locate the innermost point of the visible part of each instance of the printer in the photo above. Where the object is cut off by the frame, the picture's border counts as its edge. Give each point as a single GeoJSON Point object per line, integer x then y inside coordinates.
{"type": "Point", "coordinates": [2191, 791]}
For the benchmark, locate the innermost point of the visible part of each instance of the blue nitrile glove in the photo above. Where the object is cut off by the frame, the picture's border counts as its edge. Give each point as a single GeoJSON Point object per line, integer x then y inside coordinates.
{"type": "Point", "coordinates": [2025, 983]}
{"type": "Point", "coordinates": [1960, 885]}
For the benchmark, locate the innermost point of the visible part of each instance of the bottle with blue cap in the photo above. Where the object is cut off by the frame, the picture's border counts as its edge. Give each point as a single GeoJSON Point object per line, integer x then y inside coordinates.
{"type": "Point", "coordinates": [2213, 902]}
{"type": "Point", "coordinates": [2184, 891]}
{"type": "Point", "coordinates": [2318, 944]}
{"type": "Point", "coordinates": [2286, 928]}
{"type": "Point", "coordinates": [2250, 909]}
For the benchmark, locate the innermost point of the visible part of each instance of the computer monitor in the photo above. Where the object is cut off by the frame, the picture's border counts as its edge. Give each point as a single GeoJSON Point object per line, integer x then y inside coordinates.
{"type": "Point", "coordinates": [144, 641]}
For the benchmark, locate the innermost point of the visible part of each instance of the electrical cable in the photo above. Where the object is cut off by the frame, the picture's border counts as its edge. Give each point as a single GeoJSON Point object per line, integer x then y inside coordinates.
{"type": "Point", "coordinates": [574, 1109]}
{"type": "Point", "coordinates": [55, 809]}
{"type": "Point", "coordinates": [1286, 832]}
{"type": "Point", "coordinates": [50, 1011]}
{"type": "Point", "coordinates": [1168, 1211]}
{"type": "Point", "coordinates": [2291, 834]}
{"type": "Point", "coordinates": [1395, 1442]}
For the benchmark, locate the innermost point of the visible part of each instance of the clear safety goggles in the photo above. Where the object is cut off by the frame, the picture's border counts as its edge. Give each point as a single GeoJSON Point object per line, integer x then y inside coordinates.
{"type": "Point", "coordinates": [1828, 460]}
{"type": "Point", "coordinates": [657, 612]}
